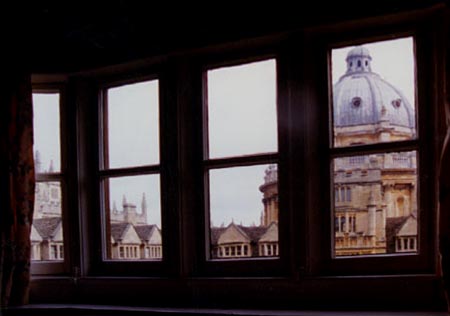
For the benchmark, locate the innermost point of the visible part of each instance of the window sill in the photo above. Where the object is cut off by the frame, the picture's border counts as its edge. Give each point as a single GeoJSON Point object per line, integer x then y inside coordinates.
{"type": "Point", "coordinates": [93, 310]}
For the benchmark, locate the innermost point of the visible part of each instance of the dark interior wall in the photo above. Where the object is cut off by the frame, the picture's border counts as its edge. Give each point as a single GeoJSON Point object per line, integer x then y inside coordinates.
{"type": "Point", "coordinates": [70, 37]}
{"type": "Point", "coordinates": [66, 36]}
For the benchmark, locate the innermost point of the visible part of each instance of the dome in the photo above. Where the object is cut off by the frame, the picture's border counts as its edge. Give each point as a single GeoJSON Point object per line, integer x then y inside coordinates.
{"type": "Point", "coordinates": [358, 51]}
{"type": "Point", "coordinates": [362, 97]}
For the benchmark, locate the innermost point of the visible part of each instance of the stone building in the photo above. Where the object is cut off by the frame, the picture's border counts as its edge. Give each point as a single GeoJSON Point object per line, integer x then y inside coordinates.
{"type": "Point", "coordinates": [46, 231]}
{"type": "Point", "coordinates": [132, 238]}
{"type": "Point", "coordinates": [375, 198]}
{"type": "Point", "coordinates": [238, 241]}
{"type": "Point", "coordinates": [129, 212]}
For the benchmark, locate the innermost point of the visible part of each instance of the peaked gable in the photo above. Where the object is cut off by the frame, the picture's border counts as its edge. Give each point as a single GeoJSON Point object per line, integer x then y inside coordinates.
{"type": "Point", "coordinates": [409, 227]}
{"type": "Point", "coordinates": [130, 236]}
{"type": "Point", "coordinates": [233, 234]}
{"type": "Point", "coordinates": [48, 227]}
{"type": "Point", "coordinates": [58, 233]}
{"type": "Point", "coordinates": [271, 234]}
{"type": "Point", "coordinates": [149, 233]}
{"type": "Point", "coordinates": [34, 235]}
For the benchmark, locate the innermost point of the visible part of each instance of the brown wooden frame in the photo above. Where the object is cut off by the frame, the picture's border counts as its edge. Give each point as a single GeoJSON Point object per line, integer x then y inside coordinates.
{"type": "Point", "coordinates": [243, 266]}
{"type": "Point", "coordinates": [305, 275]}
{"type": "Point", "coordinates": [427, 152]}
{"type": "Point", "coordinates": [43, 85]}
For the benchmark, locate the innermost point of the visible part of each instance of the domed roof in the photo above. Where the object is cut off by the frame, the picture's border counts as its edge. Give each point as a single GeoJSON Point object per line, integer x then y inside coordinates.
{"type": "Point", "coordinates": [358, 51]}
{"type": "Point", "coordinates": [362, 97]}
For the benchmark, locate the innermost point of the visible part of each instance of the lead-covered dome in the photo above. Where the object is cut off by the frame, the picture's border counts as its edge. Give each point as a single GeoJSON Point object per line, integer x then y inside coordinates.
{"type": "Point", "coordinates": [362, 97]}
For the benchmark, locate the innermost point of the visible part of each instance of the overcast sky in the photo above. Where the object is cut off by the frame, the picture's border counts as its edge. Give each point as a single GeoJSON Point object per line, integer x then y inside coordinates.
{"type": "Point", "coordinates": [242, 121]}
{"type": "Point", "coordinates": [46, 129]}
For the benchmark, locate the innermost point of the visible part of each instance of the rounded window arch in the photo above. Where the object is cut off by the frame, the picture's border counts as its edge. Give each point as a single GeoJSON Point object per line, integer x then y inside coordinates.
{"type": "Point", "coordinates": [401, 206]}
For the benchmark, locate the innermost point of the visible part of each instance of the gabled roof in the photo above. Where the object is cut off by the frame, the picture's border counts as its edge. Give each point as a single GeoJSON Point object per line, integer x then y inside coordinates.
{"type": "Point", "coordinates": [393, 226]}
{"type": "Point", "coordinates": [145, 232]}
{"type": "Point", "coordinates": [216, 232]}
{"type": "Point", "coordinates": [118, 230]}
{"type": "Point", "coordinates": [233, 234]}
{"type": "Point", "coordinates": [271, 233]}
{"type": "Point", "coordinates": [35, 236]}
{"type": "Point", "coordinates": [252, 233]}
{"type": "Point", "coordinates": [409, 227]}
{"type": "Point", "coordinates": [47, 227]}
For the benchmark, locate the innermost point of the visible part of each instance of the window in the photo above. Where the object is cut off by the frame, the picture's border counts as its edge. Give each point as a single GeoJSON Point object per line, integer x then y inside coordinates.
{"type": "Point", "coordinates": [385, 197]}
{"type": "Point", "coordinates": [254, 176]}
{"type": "Point", "coordinates": [47, 234]}
{"type": "Point", "coordinates": [130, 173]}
{"type": "Point", "coordinates": [241, 159]}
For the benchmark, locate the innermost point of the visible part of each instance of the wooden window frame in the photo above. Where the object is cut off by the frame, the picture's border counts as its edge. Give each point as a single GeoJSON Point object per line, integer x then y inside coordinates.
{"type": "Point", "coordinates": [427, 154]}
{"type": "Point", "coordinates": [47, 85]}
{"type": "Point", "coordinates": [305, 275]}
{"type": "Point", "coordinates": [99, 264]}
{"type": "Point", "coordinates": [244, 266]}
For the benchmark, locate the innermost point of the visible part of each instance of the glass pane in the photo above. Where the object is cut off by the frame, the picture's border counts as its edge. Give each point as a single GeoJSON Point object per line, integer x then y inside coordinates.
{"type": "Point", "coordinates": [379, 208]}
{"type": "Point", "coordinates": [374, 93]}
{"type": "Point", "coordinates": [244, 212]}
{"type": "Point", "coordinates": [47, 148]}
{"type": "Point", "coordinates": [133, 125]}
{"type": "Point", "coordinates": [47, 230]}
{"type": "Point", "coordinates": [134, 227]}
{"type": "Point", "coordinates": [242, 110]}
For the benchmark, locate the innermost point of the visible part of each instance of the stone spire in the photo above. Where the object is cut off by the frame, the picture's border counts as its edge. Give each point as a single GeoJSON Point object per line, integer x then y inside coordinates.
{"type": "Point", "coordinates": [37, 161]}
{"type": "Point", "coordinates": [124, 201]}
{"type": "Point", "coordinates": [114, 207]}
{"type": "Point", "coordinates": [51, 169]}
{"type": "Point", "coordinates": [144, 207]}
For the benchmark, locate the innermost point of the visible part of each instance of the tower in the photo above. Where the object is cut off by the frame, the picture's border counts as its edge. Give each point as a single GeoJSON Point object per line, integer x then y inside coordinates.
{"type": "Point", "coordinates": [270, 196]}
{"type": "Point", "coordinates": [143, 216]}
{"type": "Point", "coordinates": [37, 162]}
{"type": "Point", "coordinates": [51, 169]}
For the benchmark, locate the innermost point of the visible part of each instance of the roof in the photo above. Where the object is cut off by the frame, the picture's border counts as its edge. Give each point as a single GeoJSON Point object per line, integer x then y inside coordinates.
{"type": "Point", "coordinates": [47, 226]}
{"type": "Point", "coordinates": [358, 51]}
{"type": "Point", "coordinates": [362, 97]}
{"type": "Point", "coordinates": [254, 233]}
{"type": "Point", "coordinates": [118, 230]}
{"type": "Point", "coordinates": [393, 226]}
{"type": "Point", "coordinates": [145, 231]}
{"type": "Point", "coordinates": [216, 232]}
